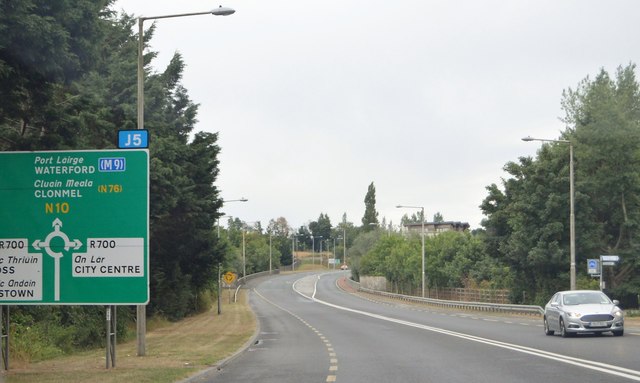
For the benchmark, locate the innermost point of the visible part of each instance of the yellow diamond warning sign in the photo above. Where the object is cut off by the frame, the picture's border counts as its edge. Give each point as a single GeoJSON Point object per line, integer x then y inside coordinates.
{"type": "Point", "coordinates": [229, 277]}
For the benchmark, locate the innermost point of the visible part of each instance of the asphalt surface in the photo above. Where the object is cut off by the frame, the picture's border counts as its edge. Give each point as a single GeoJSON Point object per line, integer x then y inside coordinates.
{"type": "Point", "coordinates": [311, 330]}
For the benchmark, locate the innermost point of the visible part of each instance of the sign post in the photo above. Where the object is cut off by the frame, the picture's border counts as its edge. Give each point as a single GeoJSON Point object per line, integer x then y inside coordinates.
{"type": "Point", "coordinates": [74, 227]}
{"type": "Point", "coordinates": [228, 279]}
{"type": "Point", "coordinates": [607, 260]}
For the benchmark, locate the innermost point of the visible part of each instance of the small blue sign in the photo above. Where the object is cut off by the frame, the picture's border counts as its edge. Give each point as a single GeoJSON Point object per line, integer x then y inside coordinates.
{"type": "Point", "coordinates": [593, 267]}
{"type": "Point", "coordinates": [113, 164]}
{"type": "Point", "coordinates": [133, 139]}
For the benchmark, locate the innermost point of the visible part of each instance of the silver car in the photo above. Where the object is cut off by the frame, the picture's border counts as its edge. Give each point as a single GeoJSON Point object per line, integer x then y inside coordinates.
{"type": "Point", "coordinates": [582, 311]}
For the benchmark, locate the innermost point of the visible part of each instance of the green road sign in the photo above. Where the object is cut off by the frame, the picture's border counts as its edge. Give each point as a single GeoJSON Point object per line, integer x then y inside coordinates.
{"type": "Point", "coordinates": [74, 227]}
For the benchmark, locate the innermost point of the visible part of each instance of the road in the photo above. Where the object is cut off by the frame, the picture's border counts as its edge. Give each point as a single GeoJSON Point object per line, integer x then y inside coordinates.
{"type": "Point", "coordinates": [313, 331]}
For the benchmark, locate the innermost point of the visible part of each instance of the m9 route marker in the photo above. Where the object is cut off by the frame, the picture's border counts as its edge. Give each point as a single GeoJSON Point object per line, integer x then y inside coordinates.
{"type": "Point", "coordinates": [113, 164]}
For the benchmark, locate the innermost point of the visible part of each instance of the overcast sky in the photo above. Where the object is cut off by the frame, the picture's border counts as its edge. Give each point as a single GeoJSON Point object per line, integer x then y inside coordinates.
{"type": "Point", "coordinates": [314, 100]}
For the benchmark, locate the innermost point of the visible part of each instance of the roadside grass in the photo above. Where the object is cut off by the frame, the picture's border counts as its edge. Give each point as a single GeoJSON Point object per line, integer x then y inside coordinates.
{"type": "Point", "coordinates": [310, 267]}
{"type": "Point", "coordinates": [174, 351]}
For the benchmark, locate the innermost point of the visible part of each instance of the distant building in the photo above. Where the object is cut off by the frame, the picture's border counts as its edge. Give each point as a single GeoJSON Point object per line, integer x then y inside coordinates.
{"type": "Point", "coordinates": [431, 229]}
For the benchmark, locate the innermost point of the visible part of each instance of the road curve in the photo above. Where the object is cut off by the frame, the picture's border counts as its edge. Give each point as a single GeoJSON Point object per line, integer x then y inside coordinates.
{"type": "Point", "coordinates": [311, 330]}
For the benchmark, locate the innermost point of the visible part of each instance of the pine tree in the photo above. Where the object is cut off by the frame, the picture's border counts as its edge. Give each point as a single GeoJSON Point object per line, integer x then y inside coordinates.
{"type": "Point", "coordinates": [370, 218]}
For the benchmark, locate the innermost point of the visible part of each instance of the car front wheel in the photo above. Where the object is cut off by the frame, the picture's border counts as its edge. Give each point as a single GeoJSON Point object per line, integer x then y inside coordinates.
{"type": "Point", "coordinates": [618, 333]}
{"type": "Point", "coordinates": [563, 329]}
{"type": "Point", "coordinates": [547, 331]}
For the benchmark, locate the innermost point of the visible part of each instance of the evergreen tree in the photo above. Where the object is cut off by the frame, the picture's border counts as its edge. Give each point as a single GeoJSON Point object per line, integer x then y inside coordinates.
{"type": "Point", "coordinates": [527, 223]}
{"type": "Point", "coordinates": [321, 228]}
{"type": "Point", "coordinates": [44, 47]}
{"type": "Point", "coordinates": [370, 218]}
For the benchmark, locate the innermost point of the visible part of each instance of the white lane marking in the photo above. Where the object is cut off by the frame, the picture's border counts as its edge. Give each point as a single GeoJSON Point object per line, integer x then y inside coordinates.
{"type": "Point", "coordinates": [584, 363]}
{"type": "Point", "coordinates": [333, 360]}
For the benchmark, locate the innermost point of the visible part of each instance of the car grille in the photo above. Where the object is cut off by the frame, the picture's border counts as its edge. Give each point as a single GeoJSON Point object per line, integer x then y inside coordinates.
{"type": "Point", "coordinates": [596, 318]}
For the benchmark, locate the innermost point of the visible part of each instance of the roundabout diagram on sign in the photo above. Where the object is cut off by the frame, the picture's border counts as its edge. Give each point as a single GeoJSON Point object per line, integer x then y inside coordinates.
{"type": "Point", "coordinates": [46, 245]}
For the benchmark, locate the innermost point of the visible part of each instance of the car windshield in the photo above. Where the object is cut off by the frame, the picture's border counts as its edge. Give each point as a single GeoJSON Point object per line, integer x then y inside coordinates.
{"type": "Point", "coordinates": [585, 298]}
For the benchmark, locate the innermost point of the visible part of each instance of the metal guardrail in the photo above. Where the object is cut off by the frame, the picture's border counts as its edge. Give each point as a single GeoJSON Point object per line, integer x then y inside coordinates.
{"type": "Point", "coordinates": [242, 280]}
{"type": "Point", "coordinates": [477, 306]}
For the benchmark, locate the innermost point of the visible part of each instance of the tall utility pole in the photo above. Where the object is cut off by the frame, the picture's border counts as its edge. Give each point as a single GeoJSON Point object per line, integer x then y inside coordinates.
{"type": "Point", "coordinates": [141, 310]}
{"type": "Point", "coordinates": [572, 216]}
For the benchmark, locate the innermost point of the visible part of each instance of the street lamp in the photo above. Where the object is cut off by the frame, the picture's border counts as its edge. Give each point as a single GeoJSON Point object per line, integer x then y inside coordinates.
{"type": "Point", "coordinates": [572, 218]}
{"type": "Point", "coordinates": [421, 219]}
{"type": "Point", "coordinates": [244, 247]}
{"type": "Point", "coordinates": [220, 11]}
{"type": "Point", "coordinates": [344, 244]}
{"type": "Point", "coordinates": [234, 200]}
{"type": "Point", "coordinates": [293, 250]}
{"type": "Point", "coordinates": [313, 248]}
{"type": "Point", "coordinates": [223, 202]}
{"type": "Point", "coordinates": [270, 236]}
{"type": "Point", "coordinates": [334, 253]}
{"type": "Point", "coordinates": [141, 312]}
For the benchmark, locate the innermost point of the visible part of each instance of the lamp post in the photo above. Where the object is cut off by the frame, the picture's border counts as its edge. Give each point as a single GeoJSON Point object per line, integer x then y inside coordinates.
{"type": "Point", "coordinates": [344, 245]}
{"type": "Point", "coordinates": [225, 201]}
{"type": "Point", "coordinates": [327, 248]}
{"type": "Point", "coordinates": [293, 251]}
{"type": "Point", "coordinates": [422, 219]}
{"type": "Point", "coordinates": [220, 11]}
{"type": "Point", "coordinates": [244, 248]}
{"type": "Point", "coordinates": [313, 248]}
{"type": "Point", "coordinates": [141, 312]}
{"type": "Point", "coordinates": [572, 219]}
{"type": "Point", "coordinates": [334, 253]}
{"type": "Point", "coordinates": [242, 199]}
{"type": "Point", "coordinates": [270, 236]}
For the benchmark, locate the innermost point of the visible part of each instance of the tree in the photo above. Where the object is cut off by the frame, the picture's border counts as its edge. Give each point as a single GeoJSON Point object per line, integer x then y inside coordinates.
{"type": "Point", "coordinates": [321, 228]}
{"type": "Point", "coordinates": [68, 81]}
{"type": "Point", "coordinates": [527, 222]}
{"type": "Point", "coordinates": [279, 230]}
{"type": "Point", "coordinates": [362, 244]}
{"type": "Point", "coordinates": [44, 48]}
{"type": "Point", "coordinates": [370, 218]}
{"type": "Point", "coordinates": [303, 238]}
{"type": "Point", "coordinates": [603, 116]}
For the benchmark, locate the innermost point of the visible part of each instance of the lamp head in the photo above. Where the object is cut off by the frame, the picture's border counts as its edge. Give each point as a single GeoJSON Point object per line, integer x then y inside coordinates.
{"type": "Point", "coordinates": [223, 11]}
{"type": "Point", "coordinates": [527, 138]}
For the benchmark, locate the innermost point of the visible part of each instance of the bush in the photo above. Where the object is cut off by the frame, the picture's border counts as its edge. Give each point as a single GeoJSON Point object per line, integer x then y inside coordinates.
{"type": "Point", "coordinates": [44, 332]}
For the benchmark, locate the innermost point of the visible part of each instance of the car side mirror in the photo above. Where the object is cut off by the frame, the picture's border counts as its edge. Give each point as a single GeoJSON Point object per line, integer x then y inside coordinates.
{"type": "Point", "coordinates": [554, 304]}
{"type": "Point", "coordinates": [616, 302]}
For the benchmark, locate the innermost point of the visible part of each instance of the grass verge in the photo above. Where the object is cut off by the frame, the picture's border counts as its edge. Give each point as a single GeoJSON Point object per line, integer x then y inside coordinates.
{"type": "Point", "coordinates": [173, 352]}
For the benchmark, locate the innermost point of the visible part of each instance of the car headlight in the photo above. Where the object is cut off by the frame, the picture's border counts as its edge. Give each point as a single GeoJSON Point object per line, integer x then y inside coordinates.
{"type": "Point", "coordinates": [574, 315]}
{"type": "Point", "coordinates": [618, 313]}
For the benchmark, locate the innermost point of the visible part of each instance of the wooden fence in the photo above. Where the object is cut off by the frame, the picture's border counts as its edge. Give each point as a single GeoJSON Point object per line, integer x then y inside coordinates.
{"type": "Point", "coordinates": [470, 295]}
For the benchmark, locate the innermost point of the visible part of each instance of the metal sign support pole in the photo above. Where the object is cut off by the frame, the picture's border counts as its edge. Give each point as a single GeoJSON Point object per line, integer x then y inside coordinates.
{"type": "Point", "coordinates": [219, 290]}
{"type": "Point", "coordinates": [111, 336]}
{"type": "Point", "coordinates": [601, 270]}
{"type": "Point", "coordinates": [4, 332]}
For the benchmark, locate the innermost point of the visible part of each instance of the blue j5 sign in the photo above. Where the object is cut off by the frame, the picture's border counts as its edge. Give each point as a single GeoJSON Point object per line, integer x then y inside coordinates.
{"type": "Point", "coordinates": [133, 139]}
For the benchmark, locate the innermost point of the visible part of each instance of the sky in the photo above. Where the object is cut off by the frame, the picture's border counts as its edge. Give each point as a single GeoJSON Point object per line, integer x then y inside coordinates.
{"type": "Point", "coordinates": [315, 100]}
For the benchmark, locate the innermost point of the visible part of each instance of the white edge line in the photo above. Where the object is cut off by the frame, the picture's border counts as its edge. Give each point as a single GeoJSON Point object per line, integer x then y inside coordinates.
{"type": "Point", "coordinates": [592, 365]}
